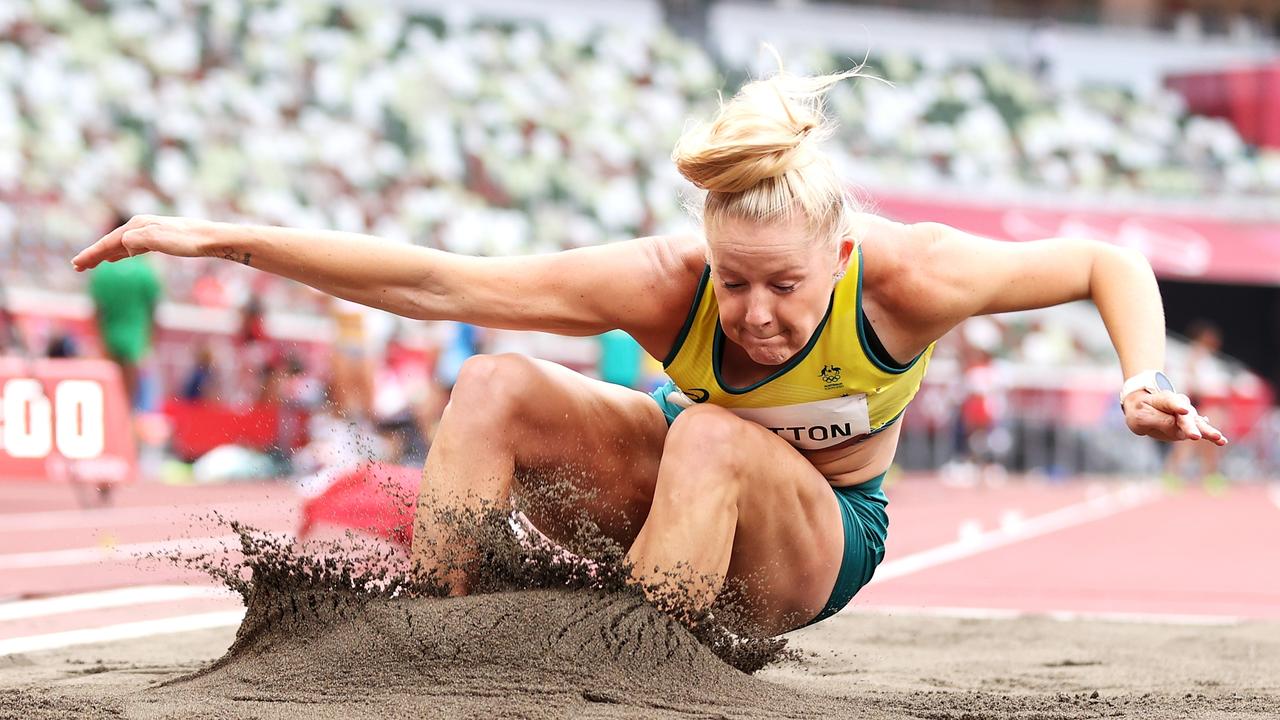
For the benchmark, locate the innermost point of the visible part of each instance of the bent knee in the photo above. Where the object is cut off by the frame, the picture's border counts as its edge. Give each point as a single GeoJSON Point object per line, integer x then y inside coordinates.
{"type": "Point", "coordinates": [708, 435]}
{"type": "Point", "coordinates": [491, 385]}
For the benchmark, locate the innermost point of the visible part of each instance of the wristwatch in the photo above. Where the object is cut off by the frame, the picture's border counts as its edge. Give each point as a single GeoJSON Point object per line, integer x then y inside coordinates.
{"type": "Point", "coordinates": [1153, 381]}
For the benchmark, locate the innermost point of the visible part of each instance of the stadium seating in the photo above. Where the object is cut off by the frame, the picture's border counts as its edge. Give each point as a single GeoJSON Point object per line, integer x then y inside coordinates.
{"type": "Point", "coordinates": [492, 137]}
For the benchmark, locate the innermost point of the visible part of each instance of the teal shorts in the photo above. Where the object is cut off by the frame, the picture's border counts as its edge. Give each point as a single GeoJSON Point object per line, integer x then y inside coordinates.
{"type": "Point", "coordinates": [862, 512]}
{"type": "Point", "coordinates": [866, 527]}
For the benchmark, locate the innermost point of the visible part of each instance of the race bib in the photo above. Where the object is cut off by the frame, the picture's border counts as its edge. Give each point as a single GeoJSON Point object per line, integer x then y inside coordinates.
{"type": "Point", "coordinates": [814, 425]}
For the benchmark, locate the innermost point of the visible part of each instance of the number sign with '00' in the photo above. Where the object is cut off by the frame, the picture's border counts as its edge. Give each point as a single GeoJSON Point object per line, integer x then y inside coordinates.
{"type": "Point", "coordinates": [64, 419]}
{"type": "Point", "coordinates": [33, 428]}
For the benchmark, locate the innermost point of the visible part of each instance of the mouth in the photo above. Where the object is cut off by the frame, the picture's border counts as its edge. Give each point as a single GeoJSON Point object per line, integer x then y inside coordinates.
{"type": "Point", "coordinates": [767, 353]}
{"type": "Point", "coordinates": [765, 349]}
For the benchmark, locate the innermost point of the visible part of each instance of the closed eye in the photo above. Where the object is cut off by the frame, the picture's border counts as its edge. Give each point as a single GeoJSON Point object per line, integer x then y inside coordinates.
{"type": "Point", "coordinates": [775, 286]}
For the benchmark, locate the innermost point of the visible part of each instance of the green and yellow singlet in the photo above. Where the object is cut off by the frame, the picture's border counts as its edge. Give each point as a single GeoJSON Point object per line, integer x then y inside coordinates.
{"type": "Point", "coordinates": [842, 385]}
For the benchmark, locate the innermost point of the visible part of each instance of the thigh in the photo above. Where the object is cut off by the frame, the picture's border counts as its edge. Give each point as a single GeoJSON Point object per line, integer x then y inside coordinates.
{"type": "Point", "coordinates": [788, 543]}
{"type": "Point", "coordinates": [601, 442]}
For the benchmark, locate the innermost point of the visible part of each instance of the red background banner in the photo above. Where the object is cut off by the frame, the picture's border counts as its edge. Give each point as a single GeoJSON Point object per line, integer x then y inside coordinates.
{"type": "Point", "coordinates": [1179, 247]}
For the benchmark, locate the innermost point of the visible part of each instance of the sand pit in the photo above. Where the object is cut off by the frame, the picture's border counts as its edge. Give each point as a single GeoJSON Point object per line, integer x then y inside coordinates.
{"type": "Point", "coordinates": [333, 624]}
{"type": "Point", "coordinates": [338, 654]}
{"type": "Point", "coordinates": [331, 634]}
{"type": "Point", "coordinates": [543, 631]}
{"type": "Point", "coordinates": [884, 667]}
{"type": "Point", "coordinates": [517, 650]}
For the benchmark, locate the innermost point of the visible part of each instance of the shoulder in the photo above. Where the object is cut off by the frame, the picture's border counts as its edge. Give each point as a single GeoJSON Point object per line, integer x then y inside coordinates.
{"type": "Point", "coordinates": [896, 257]}
{"type": "Point", "coordinates": [684, 255]}
{"type": "Point", "coordinates": [904, 267]}
{"type": "Point", "coordinates": [668, 274]}
{"type": "Point", "coordinates": [672, 264]}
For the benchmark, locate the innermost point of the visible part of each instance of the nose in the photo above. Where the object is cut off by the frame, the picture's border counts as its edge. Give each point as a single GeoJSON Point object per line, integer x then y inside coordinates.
{"type": "Point", "coordinates": [759, 313]}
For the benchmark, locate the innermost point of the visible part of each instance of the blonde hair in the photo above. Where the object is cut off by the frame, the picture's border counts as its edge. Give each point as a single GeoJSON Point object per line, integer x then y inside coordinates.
{"type": "Point", "coordinates": [760, 159]}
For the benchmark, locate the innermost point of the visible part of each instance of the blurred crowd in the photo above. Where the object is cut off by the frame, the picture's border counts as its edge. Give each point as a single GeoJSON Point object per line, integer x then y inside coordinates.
{"type": "Point", "coordinates": [488, 137]}
{"type": "Point", "coordinates": [476, 138]}
{"type": "Point", "coordinates": [1005, 127]}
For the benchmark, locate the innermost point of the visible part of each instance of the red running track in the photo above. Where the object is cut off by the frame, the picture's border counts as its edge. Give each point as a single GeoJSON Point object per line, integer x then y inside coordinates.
{"type": "Point", "coordinates": [1077, 547]}
{"type": "Point", "coordinates": [1183, 552]}
{"type": "Point", "coordinates": [53, 549]}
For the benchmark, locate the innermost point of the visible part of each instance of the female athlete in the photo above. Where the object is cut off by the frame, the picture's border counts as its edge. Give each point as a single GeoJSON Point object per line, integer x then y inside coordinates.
{"type": "Point", "coordinates": [795, 331]}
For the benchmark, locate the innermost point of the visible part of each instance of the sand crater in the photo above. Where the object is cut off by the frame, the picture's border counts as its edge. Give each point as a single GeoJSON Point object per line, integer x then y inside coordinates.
{"type": "Point", "coordinates": [609, 648]}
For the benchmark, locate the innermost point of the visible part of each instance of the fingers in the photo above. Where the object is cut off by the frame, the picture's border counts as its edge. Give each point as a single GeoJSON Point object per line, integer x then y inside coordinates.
{"type": "Point", "coordinates": [1209, 432]}
{"type": "Point", "coordinates": [1175, 419]}
{"type": "Point", "coordinates": [1188, 425]}
{"type": "Point", "coordinates": [137, 240]}
{"type": "Point", "coordinates": [1186, 422]}
{"type": "Point", "coordinates": [99, 252]}
{"type": "Point", "coordinates": [107, 249]}
{"type": "Point", "coordinates": [110, 247]}
{"type": "Point", "coordinates": [1178, 410]}
{"type": "Point", "coordinates": [1172, 403]}
{"type": "Point", "coordinates": [1196, 427]}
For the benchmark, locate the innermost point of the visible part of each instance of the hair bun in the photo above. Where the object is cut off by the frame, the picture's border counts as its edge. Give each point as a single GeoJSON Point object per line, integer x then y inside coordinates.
{"type": "Point", "coordinates": [760, 158]}
{"type": "Point", "coordinates": [770, 127]}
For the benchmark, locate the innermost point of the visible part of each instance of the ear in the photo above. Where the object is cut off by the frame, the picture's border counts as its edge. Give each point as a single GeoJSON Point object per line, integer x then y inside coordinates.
{"type": "Point", "coordinates": [844, 253]}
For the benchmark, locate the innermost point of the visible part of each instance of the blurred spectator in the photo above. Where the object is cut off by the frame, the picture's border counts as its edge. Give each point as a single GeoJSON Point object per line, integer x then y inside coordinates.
{"type": "Point", "coordinates": [125, 295]}
{"type": "Point", "coordinates": [357, 350]}
{"type": "Point", "coordinates": [270, 379]}
{"type": "Point", "coordinates": [10, 335]}
{"type": "Point", "coordinates": [461, 342]}
{"type": "Point", "coordinates": [253, 325]}
{"type": "Point", "coordinates": [1204, 384]}
{"type": "Point", "coordinates": [299, 394]}
{"type": "Point", "coordinates": [11, 342]}
{"type": "Point", "coordinates": [1042, 47]}
{"type": "Point", "coordinates": [977, 416]}
{"type": "Point", "coordinates": [199, 383]}
{"type": "Point", "coordinates": [981, 440]}
{"type": "Point", "coordinates": [402, 399]}
{"type": "Point", "coordinates": [62, 344]}
{"type": "Point", "coordinates": [254, 349]}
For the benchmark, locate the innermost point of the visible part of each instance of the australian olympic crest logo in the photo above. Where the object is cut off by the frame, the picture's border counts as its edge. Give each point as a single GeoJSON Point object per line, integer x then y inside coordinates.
{"type": "Point", "coordinates": [830, 375]}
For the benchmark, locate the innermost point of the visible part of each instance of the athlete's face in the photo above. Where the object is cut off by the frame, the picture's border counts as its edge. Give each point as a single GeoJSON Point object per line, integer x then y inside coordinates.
{"type": "Point", "coordinates": [773, 284]}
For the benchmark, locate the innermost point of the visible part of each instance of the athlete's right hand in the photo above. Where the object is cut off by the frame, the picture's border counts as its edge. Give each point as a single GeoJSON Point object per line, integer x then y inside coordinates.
{"type": "Point", "coordinates": [1168, 416]}
{"type": "Point", "coordinates": [181, 237]}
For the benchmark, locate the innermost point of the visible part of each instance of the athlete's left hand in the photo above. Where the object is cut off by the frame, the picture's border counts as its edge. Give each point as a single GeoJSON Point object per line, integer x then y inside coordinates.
{"type": "Point", "coordinates": [1168, 416]}
{"type": "Point", "coordinates": [180, 237]}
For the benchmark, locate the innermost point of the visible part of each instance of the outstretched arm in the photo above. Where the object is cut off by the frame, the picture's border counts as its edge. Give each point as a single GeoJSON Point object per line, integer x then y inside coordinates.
{"type": "Point", "coordinates": [577, 292]}
{"type": "Point", "coordinates": [967, 275]}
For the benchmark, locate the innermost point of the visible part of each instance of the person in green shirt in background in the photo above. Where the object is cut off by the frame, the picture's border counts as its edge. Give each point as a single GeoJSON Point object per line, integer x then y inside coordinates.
{"type": "Point", "coordinates": [125, 295]}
